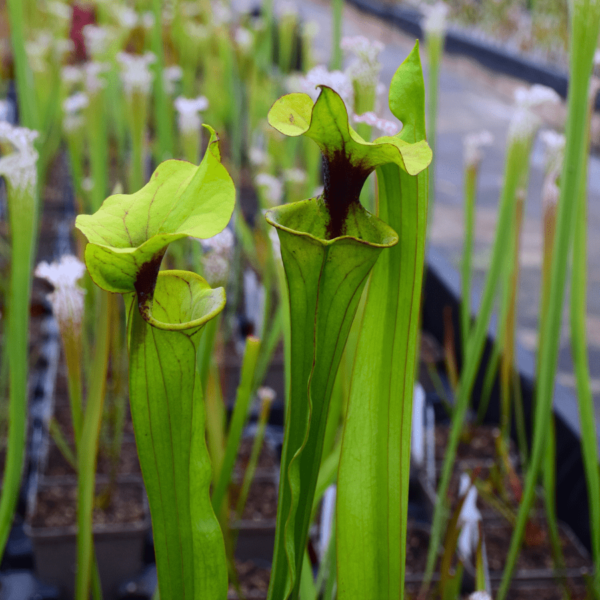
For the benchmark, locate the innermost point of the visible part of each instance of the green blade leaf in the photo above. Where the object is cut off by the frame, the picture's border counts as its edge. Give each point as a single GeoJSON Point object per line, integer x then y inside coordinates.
{"type": "Point", "coordinates": [169, 422]}
{"type": "Point", "coordinates": [131, 231]}
{"type": "Point", "coordinates": [373, 476]}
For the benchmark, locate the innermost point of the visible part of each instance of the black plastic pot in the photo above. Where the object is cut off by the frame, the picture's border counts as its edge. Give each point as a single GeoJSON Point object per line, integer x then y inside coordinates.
{"type": "Point", "coordinates": [119, 547]}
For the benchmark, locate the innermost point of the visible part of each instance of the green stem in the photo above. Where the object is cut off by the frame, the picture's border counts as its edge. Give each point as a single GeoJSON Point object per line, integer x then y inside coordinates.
{"type": "Point", "coordinates": [164, 128]}
{"type": "Point", "coordinates": [587, 419]}
{"type": "Point", "coordinates": [585, 25]}
{"type": "Point", "coordinates": [88, 448]}
{"type": "Point", "coordinates": [238, 419]}
{"type": "Point", "coordinates": [471, 173]}
{"type": "Point", "coordinates": [23, 210]}
{"type": "Point", "coordinates": [337, 7]}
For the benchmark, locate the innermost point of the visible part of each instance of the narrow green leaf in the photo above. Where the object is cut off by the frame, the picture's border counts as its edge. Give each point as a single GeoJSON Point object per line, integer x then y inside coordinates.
{"type": "Point", "coordinates": [373, 476]}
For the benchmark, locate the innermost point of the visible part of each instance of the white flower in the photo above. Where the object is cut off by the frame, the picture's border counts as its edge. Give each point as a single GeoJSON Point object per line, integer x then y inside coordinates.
{"type": "Point", "coordinates": [434, 23]}
{"type": "Point", "coordinates": [243, 38]}
{"type": "Point", "coordinates": [60, 10]}
{"type": "Point", "coordinates": [61, 48]}
{"type": "Point", "coordinates": [473, 144]}
{"type": "Point", "coordinates": [468, 520]}
{"type": "Point", "coordinates": [67, 297]}
{"type": "Point", "coordinates": [147, 20]}
{"type": "Point", "coordinates": [76, 102]}
{"type": "Point", "coordinates": [362, 47]}
{"type": "Point", "coordinates": [71, 74]}
{"type": "Point", "coordinates": [93, 82]}
{"type": "Point", "coordinates": [294, 176]}
{"type": "Point", "coordinates": [98, 39]}
{"type": "Point", "coordinates": [222, 243]}
{"type": "Point", "coordinates": [136, 75]}
{"type": "Point", "coordinates": [216, 269]}
{"type": "Point", "coordinates": [87, 185]}
{"type": "Point", "coordinates": [126, 16]}
{"type": "Point", "coordinates": [318, 191]}
{"type": "Point", "coordinates": [38, 49]}
{"type": "Point", "coordinates": [480, 595]}
{"type": "Point", "coordinates": [266, 394]}
{"type": "Point", "coordinates": [271, 187]}
{"type": "Point", "coordinates": [218, 256]}
{"type": "Point", "coordinates": [370, 118]}
{"type": "Point", "coordinates": [171, 75]}
{"type": "Point", "coordinates": [221, 14]}
{"type": "Point", "coordinates": [336, 80]}
{"type": "Point", "coordinates": [72, 106]}
{"type": "Point", "coordinates": [258, 158]}
{"type": "Point", "coordinates": [554, 148]}
{"type": "Point", "coordinates": [524, 122]}
{"type": "Point", "coordinates": [188, 118]}
{"type": "Point", "coordinates": [535, 96]}
{"type": "Point", "coordinates": [18, 163]}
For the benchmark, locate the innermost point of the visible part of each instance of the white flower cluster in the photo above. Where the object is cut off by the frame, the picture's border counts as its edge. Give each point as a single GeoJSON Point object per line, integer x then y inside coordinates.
{"type": "Point", "coordinates": [217, 257]}
{"type": "Point", "coordinates": [136, 75]}
{"type": "Point", "coordinates": [44, 47]}
{"type": "Point", "coordinates": [67, 297]}
{"type": "Point", "coordinates": [72, 107]}
{"type": "Point", "coordinates": [18, 163]}
{"type": "Point", "coordinates": [370, 118]}
{"type": "Point", "coordinates": [336, 80]}
{"type": "Point", "coordinates": [524, 122]}
{"type": "Point", "coordinates": [188, 109]}
{"type": "Point", "coordinates": [271, 187]}
{"type": "Point", "coordinates": [473, 144]}
{"type": "Point", "coordinates": [365, 68]}
{"type": "Point", "coordinates": [434, 22]}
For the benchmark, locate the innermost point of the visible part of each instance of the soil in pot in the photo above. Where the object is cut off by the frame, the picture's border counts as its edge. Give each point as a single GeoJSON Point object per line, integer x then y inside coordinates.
{"type": "Point", "coordinates": [128, 463]}
{"type": "Point", "coordinates": [477, 442]}
{"type": "Point", "coordinates": [536, 552]}
{"type": "Point", "coordinates": [119, 535]}
{"type": "Point", "coordinates": [267, 459]}
{"type": "Point", "coordinates": [253, 579]}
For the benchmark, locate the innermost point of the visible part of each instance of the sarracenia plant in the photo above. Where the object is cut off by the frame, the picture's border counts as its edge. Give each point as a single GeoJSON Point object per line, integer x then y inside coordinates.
{"type": "Point", "coordinates": [371, 519]}
{"type": "Point", "coordinates": [585, 25]}
{"type": "Point", "coordinates": [166, 311]}
{"type": "Point", "coordinates": [328, 245]}
{"type": "Point", "coordinates": [18, 167]}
